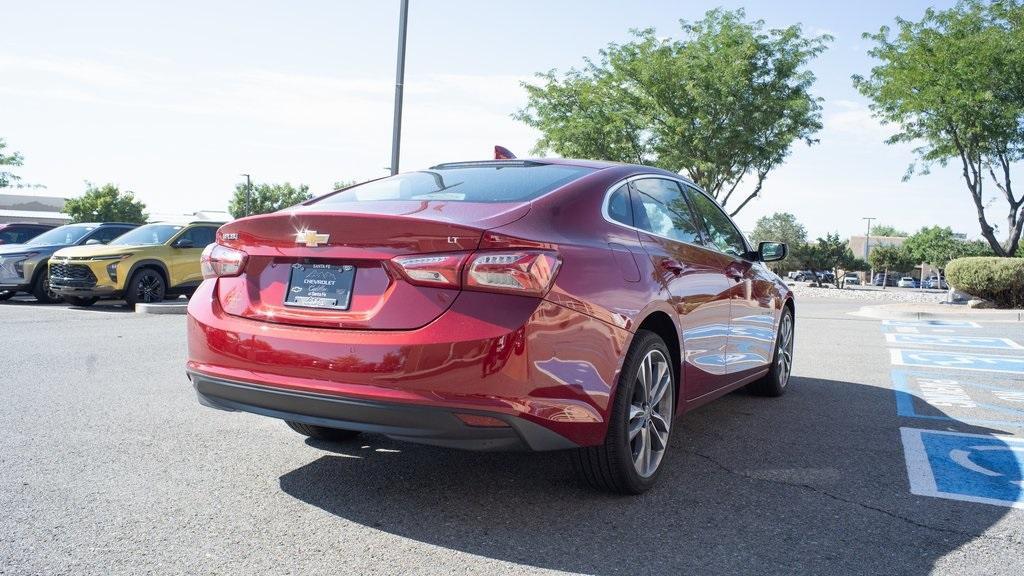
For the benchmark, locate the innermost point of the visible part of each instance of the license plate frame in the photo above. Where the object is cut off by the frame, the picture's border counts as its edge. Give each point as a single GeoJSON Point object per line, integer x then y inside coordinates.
{"type": "Point", "coordinates": [320, 286]}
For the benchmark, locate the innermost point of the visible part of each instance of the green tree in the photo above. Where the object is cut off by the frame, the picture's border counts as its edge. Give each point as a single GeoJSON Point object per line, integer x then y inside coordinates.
{"type": "Point", "coordinates": [833, 253]}
{"type": "Point", "coordinates": [953, 83]}
{"type": "Point", "coordinates": [934, 245]}
{"type": "Point", "coordinates": [106, 203]}
{"type": "Point", "coordinates": [780, 227]}
{"type": "Point", "coordinates": [7, 178]}
{"type": "Point", "coordinates": [725, 102]}
{"type": "Point", "coordinates": [886, 230]}
{"type": "Point", "coordinates": [894, 258]}
{"type": "Point", "coordinates": [339, 184]}
{"type": "Point", "coordinates": [267, 198]}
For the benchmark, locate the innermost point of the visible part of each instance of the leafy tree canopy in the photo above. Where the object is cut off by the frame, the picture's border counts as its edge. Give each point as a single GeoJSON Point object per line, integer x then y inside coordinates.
{"type": "Point", "coordinates": [886, 230]}
{"type": "Point", "coordinates": [891, 258]}
{"type": "Point", "coordinates": [726, 101]}
{"type": "Point", "coordinates": [934, 245]}
{"type": "Point", "coordinates": [953, 84]}
{"type": "Point", "coordinates": [106, 203]}
{"type": "Point", "coordinates": [13, 159]}
{"type": "Point", "coordinates": [267, 198]}
{"type": "Point", "coordinates": [781, 227]}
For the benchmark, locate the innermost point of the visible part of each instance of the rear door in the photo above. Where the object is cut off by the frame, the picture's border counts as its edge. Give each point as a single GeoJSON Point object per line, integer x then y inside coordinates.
{"type": "Point", "coordinates": [694, 275]}
{"type": "Point", "coordinates": [751, 291]}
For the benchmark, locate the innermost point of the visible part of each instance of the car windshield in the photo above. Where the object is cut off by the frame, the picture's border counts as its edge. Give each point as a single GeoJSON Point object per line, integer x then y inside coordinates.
{"type": "Point", "coordinates": [60, 236]}
{"type": "Point", "coordinates": [476, 182]}
{"type": "Point", "coordinates": [148, 235]}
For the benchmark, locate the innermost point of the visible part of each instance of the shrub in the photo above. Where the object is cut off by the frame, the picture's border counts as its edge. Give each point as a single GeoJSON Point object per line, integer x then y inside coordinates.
{"type": "Point", "coordinates": [1000, 280]}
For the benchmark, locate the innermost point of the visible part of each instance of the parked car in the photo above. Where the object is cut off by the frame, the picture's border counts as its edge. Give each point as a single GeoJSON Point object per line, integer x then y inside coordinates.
{"type": "Point", "coordinates": [145, 265]}
{"type": "Point", "coordinates": [885, 280]}
{"type": "Point", "coordinates": [851, 279]}
{"type": "Point", "coordinates": [21, 232]}
{"type": "Point", "coordinates": [23, 266]}
{"type": "Point", "coordinates": [907, 282]}
{"type": "Point", "coordinates": [934, 283]}
{"type": "Point", "coordinates": [464, 306]}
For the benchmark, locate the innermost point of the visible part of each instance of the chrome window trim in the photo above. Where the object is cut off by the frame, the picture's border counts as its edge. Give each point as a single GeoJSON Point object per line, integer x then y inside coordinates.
{"type": "Point", "coordinates": [614, 187]}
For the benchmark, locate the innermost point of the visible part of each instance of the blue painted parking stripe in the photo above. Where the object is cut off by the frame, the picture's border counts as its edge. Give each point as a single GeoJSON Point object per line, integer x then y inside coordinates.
{"type": "Point", "coordinates": [926, 323]}
{"type": "Point", "coordinates": [958, 361]}
{"type": "Point", "coordinates": [969, 467]}
{"type": "Point", "coordinates": [955, 341]}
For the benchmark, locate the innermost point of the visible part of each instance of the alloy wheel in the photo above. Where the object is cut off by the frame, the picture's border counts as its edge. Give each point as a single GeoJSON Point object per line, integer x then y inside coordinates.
{"type": "Point", "coordinates": [149, 288]}
{"type": "Point", "coordinates": [650, 413]}
{"type": "Point", "coordinates": [784, 354]}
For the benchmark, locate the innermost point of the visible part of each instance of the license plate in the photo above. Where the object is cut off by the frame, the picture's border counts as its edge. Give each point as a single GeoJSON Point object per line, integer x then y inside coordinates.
{"type": "Point", "coordinates": [320, 286]}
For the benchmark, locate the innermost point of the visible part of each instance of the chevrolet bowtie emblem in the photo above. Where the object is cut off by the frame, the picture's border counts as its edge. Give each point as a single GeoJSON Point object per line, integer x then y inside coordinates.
{"type": "Point", "coordinates": [311, 239]}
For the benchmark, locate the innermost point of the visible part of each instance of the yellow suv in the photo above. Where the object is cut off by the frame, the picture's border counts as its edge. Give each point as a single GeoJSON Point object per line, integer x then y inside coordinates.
{"type": "Point", "coordinates": [146, 264]}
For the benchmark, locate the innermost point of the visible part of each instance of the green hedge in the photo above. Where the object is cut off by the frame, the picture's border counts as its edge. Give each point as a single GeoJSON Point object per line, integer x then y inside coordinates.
{"type": "Point", "coordinates": [1000, 280]}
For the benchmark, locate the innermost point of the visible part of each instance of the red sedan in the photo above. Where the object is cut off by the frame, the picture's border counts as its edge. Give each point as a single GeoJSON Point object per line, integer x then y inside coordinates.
{"type": "Point", "coordinates": [507, 304]}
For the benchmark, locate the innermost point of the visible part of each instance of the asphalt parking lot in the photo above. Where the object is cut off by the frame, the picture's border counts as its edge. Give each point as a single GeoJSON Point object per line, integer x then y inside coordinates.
{"type": "Point", "coordinates": [110, 466]}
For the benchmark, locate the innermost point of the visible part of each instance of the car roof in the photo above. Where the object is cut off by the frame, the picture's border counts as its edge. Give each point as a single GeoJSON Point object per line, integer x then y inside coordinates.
{"type": "Point", "coordinates": [189, 222]}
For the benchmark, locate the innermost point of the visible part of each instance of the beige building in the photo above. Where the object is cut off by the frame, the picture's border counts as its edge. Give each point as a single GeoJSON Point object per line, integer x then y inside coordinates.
{"type": "Point", "coordinates": [860, 250]}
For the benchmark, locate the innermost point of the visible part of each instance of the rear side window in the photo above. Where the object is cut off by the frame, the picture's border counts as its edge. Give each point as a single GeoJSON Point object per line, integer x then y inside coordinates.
{"type": "Point", "coordinates": [722, 233]}
{"type": "Point", "coordinates": [660, 208]}
{"type": "Point", "coordinates": [105, 235]}
{"type": "Point", "coordinates": [619, 208]}
{"type": "Point", "coordinates": [475, 182]}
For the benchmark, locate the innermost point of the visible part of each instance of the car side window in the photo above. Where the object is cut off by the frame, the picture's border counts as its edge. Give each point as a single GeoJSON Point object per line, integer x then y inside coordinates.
{"type": "Point", "coordinates": [659, 207]}
{"type": "Point", "coordinates": [722, 233]}
{"type": "Point", "coordinates": [619, 208]}
{"type": "Point", "coordinates": [200, 235]}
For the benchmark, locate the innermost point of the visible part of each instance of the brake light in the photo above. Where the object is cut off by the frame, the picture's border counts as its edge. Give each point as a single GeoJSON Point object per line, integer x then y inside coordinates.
{"type": "Point", "coordinates": [441, 270]}
{"type": "Point", "coordinates": [528, 272]}
{"type": "Point", "coordinates": [219, 261]}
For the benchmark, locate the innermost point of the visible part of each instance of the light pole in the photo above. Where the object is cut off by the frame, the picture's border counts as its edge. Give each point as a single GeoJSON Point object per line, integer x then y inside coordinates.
{"type": "Point", "coordinates": [396, 135]}
{"type": "Point", "coordinates": [867, 251]}
{"type": "Point", "coordinates": [248, 192]}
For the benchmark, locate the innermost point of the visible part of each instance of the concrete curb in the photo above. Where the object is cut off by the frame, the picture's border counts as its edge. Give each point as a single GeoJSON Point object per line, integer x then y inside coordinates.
{"type": "Point", "coordinates": [938, 312]}
{"type": "Point", "coordinates": [162, 308]}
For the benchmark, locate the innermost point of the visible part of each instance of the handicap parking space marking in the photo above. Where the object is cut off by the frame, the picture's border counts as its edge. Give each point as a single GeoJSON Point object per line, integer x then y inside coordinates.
{"type": "Point", "coordinates": [966, 467]}
{"type": "Point", "coordinates": [957, 361]}
{"type": "Point", "coordinates": [955, 341]}
{"type": "Point", "coordinates": [932, 323]}
{"type": "Point", "coordinates": [927, 396]}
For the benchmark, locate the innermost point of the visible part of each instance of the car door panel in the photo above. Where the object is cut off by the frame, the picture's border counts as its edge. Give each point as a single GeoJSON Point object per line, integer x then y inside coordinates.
{"type": "Point", "coordinates": [693, 276]}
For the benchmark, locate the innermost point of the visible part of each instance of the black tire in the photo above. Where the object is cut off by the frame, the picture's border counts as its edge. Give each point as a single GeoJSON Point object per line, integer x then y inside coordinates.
{"type": "Point", "coordinates": [146, 286]}
{"type": "Point", "coordinates": [610, 466]}
{"type": "Point", "coordinates": [80, 301]}
{"type": "Point", "coordinates": [6, 294]}
{"type": "Point", "coordinates": [41, 289]}
{"type": "Point", "coordinates": [774, 383]}
{"type": "Point", "coordinates": [322, 432]}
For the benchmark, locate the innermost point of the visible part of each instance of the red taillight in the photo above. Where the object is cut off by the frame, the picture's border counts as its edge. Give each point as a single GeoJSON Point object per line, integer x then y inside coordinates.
{"type": "Point", "coordinates": [526, 272]}
{"type": "Point", "coordinates": [218, 261]}
{"type": "Point", "coordinates": [441, 270]}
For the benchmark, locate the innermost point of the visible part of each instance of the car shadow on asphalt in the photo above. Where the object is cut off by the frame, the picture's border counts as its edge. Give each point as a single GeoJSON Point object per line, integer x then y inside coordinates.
{"type": "Point", "coordinates": [814, 482]}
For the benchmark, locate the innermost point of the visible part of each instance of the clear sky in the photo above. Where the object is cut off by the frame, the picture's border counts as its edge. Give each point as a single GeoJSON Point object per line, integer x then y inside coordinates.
{"type": "Point", "coordinates": [173, 100]}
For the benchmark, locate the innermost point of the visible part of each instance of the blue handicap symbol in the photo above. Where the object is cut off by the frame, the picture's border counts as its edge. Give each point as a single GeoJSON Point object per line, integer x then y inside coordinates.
{"type": "Point", "coordinates": [969, 467]}
{"type": "Point", "coordinates": [958, 361]}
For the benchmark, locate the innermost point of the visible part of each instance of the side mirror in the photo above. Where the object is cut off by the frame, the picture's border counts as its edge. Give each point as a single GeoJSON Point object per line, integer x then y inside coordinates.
{"type": "Point", "coordinates": [771, 251]}
{"type": "Point", "coordinates": [184, 243]}
{"type": "Point", "coordinates": [92, 241]}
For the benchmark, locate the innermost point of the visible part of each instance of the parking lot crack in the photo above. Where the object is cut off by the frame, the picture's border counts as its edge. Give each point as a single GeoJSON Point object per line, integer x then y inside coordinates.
{"type": "Point", "coordinates": [828, 494]}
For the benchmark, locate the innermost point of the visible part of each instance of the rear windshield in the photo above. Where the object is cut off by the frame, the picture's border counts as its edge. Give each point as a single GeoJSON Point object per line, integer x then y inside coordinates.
{"type": "Point", "coordinates": [463, 183]}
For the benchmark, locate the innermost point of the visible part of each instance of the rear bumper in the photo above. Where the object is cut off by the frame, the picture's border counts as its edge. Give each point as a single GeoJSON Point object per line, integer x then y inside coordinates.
{"type": "Point", "coordinates": [421, 424]}
{"type": "Point", "coordinates": [546, 371]}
